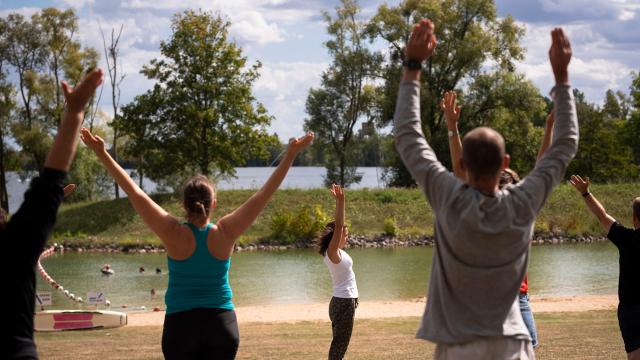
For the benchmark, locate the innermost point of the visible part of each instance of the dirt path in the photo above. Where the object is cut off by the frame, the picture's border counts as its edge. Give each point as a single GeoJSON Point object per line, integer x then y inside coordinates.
{"type": "Point", "coordinates": [382, 309]}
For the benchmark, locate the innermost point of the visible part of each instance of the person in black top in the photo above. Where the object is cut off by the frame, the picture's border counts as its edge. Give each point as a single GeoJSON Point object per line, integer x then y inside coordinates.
{"type": "Point", "coordinates": [25, 234]}
{"type": "Point", "coordinates": [628, 243]}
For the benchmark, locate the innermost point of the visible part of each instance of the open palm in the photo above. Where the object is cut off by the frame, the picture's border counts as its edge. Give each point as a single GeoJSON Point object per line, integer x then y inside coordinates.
{"type": "Point", "coordinates": [93, 142]}
{"type": "Point", "coordinates": [78, 97]}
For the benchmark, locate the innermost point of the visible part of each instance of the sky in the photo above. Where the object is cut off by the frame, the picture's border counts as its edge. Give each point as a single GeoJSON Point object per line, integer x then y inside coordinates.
{"type": "Point", "coordinates": [287, 37]}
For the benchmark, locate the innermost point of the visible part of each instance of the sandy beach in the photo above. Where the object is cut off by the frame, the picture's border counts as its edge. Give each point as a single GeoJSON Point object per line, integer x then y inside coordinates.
{"type": "Point", "coordinates": [289, 313]}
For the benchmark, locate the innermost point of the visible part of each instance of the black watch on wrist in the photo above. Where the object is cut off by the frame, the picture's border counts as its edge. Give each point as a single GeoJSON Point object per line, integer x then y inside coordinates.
{"type": "Point", "coordinates": [412, 64]}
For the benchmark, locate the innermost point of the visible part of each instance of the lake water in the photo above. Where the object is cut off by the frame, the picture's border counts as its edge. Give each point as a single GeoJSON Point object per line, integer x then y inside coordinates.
{"type": "Point", "coordinates": [300, 276]}
{"type": "Point", "coordinates": [307, 177]}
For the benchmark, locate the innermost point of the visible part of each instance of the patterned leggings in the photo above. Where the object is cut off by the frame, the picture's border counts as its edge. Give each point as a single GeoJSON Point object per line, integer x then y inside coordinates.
{"type": "Point", "coordinates": [341, 313]}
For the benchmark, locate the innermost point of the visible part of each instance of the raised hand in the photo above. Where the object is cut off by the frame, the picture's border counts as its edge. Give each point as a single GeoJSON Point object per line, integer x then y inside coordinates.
{"type": "Point", "coordinates": [93, 142]}
{"type": "Point", "coordinates": [78, 97]}
{"type": "Point", "coordinates": [68, 190]}
{"type": "Point", "coordinates": [337, 192]}
{"type": "Point", "coordinates": [560, 55]}
{"type": "Point", "coordinates": [581, 185]}
{"type": "Point", "coordinates": [450, 109]}
{"type": "Point", "coordinates": [422, 41]}
{"type": "Point", "coordinates": [297, 145]}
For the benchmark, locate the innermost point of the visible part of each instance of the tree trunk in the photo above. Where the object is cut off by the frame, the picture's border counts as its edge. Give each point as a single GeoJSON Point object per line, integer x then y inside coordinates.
{"type": "Point", "coordinates": [342, 168]}
{"type": "Point", "coordinates": [140, 174]}
{"type": "Point", "coordinates": [4, 196]}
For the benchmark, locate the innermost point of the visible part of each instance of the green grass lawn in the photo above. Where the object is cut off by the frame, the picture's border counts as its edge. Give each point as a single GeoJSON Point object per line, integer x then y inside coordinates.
{"type": "Point", "coordinates": [563, 336]}
{"type": "Point", "coordinates": [115, 222]}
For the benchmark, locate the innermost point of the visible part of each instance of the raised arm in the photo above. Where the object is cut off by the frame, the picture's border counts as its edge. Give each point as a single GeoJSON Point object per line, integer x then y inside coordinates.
{"type": "Point", "coordinates": [36, 216]}
{"type": "Point", "coordinates": [549, 171]}
{"type": "Point", "coordinates": [582, 186]}
{"type": "Point", "coordinates": [452, 115]}
{"type": "Point", "coordinates": [416, 154]}
{"type": "Point", "coordinates": [157, 219]}
{"type": "Point", "coordinates": [64, 146]}
{"type": "Point", "coordinates": [333, 251]}
{"type": "Point", "coordinates": [546, 138]}
{"type": "Point", "coordinates": [232, 225]}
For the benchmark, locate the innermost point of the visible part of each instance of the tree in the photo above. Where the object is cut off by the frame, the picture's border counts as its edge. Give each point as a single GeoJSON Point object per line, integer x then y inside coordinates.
{"type": "Point", "coordinates": [26, 54]}
{"type": "Point", "coordinates": [57, 29]}
{"type": "Point", "coordinates": [470, 35]}
{"type": "Point", "coordinates": [111, 54]}
{"type": "Point", "coordinates": [601, 155]}
{"type": "Point", "coordinates": [346, 95]}
{"type": "Point", "coordinates": [7, 105]}
{"type": "Point", "coordinates": [137, 121]}
{"type": "Point", "coordinates": [632, 126]}
{"type": "Point", "coordinates": [513, 106]}
{"type": "Point", "coordinates": [208, 120]}
{"type": "Point", "coordinates": [41, 52]}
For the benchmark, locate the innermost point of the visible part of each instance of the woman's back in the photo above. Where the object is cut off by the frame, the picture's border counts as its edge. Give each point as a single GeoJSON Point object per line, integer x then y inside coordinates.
{"type": "Point", "coordinates": [200, 280]}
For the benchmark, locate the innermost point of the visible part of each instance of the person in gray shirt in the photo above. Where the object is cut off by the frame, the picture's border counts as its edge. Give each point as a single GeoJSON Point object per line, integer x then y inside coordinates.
{"type": "Point", "coordinates": [482, 233]}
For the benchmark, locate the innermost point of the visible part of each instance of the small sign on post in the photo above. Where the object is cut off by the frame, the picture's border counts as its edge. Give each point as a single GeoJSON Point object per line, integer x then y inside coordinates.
{"type": "Point", "coordinates": [43, 298]}
{"type": "Point", "coordinates": [95, 297]}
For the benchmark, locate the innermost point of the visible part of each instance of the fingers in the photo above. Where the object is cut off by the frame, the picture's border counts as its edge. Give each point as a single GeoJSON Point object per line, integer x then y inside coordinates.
{"type": "Point", "coordinates": [69, 189]}
{"type": "Point", "coordinates": [65, 89]}
{"type": "Point", "coordinates": [414, 34]}
{"type": "Point", "coordinates": [432, 42]}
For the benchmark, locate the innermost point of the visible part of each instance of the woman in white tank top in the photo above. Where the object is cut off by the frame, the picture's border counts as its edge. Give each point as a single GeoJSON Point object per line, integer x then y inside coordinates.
{"type": "Point", "coordinates": [345, 292]}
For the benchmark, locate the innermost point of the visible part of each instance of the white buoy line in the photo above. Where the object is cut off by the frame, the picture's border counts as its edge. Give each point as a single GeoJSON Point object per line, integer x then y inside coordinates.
{"type": "Point", "coordinates": [54, 284]}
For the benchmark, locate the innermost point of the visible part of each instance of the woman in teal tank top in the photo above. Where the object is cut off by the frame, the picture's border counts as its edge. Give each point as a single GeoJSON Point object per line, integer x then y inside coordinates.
{"type": "Point", "coordinates": [200, 322]}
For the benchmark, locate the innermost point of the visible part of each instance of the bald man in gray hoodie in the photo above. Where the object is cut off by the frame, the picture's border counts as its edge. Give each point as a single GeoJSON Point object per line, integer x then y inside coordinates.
{"type": "Point", "coordinates": [482, 233]}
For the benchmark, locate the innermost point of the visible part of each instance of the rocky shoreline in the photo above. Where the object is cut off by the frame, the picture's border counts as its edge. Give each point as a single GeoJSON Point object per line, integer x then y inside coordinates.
{"type": "Point", "coordinates": [355, 241]}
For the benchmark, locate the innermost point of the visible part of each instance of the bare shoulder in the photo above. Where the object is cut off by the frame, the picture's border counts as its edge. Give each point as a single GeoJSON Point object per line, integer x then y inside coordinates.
{"type": "Point", "coordinates": [180, 243]}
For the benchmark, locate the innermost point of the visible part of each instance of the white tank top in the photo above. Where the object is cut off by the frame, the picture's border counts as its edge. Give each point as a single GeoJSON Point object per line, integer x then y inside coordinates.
{"type": "Point", "coordinates": [343, 277]}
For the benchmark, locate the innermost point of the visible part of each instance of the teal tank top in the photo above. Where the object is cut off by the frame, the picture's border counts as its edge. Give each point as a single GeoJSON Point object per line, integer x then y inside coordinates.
{"type": "Point", "coordinates": [199, 281]}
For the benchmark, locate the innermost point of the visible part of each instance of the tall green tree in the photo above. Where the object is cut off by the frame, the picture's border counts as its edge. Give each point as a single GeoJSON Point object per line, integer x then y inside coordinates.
{"type": "Point", "coordinates": [43, 50]}
{"type": "Point", "coordinates": [138, 121]}
{"type": "Point", "coordinates": [26, 54]}
{"type": "Point", "coordinates": [470, 35]}
{"type": "Point", "coordinates": [511, 104]}
{"type": "Point", "coordinates": [601, 155]}
{"type": "Point", "coordinates": [210, 119]}
{"type": "Point", "coordinates": [633, 124]}
{"type": "Point", "coordinates": [7, 105]}
{"type": "Point", "coordinates": [346, 94]}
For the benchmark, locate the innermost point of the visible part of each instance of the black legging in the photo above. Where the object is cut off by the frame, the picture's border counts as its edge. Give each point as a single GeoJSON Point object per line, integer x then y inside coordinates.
{"type": "Point", "coordinates": [200, 334]}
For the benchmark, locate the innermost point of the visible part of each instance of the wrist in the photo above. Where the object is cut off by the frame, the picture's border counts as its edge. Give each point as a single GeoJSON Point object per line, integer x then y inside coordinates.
{"type": "Point", "coordinates": [562, 78]}
{"type": "Point", "coordinates": [586, 194]}
{"type": "Point", "coordinates": [410, 75]}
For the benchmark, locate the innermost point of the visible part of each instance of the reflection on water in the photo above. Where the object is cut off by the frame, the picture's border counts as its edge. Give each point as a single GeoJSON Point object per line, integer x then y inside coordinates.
{"type": "Point", "coordinates": [300, 276]}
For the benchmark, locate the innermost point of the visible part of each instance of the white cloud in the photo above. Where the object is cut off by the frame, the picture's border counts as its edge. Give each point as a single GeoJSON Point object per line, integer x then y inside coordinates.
{"type": "Point", "coordinates": [596, 65]}
{"type": "Point", "coordinates": [75, 3]}
{"type": "Point", "coordinates": [283, 88]}
{"type": "Point", "coordinates": [251, 27]}
{"type": "Point", "coordinates": [25, 11]}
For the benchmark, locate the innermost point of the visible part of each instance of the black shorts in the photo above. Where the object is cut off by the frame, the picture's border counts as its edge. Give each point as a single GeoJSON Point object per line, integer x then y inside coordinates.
{"type": "Point", "coordinates": [629, 321]}
{"type": "Point", "coordinates": [200, 334]}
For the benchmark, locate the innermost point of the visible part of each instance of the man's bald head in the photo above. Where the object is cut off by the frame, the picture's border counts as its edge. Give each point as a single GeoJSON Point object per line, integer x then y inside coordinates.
{"type": "Point", "coordinates": [483, 153]}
